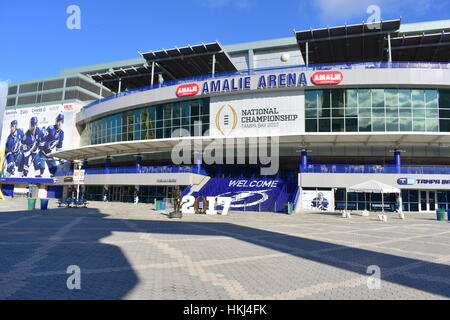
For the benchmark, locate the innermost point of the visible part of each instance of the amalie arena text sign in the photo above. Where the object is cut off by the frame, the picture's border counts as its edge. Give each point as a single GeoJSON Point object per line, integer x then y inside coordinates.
{"type": "Point", "coordinates": [327, 77]}
{"type": "Point", "coordinates": [269, 81]}
{"type": "Point", "coordinates": [187, 90]}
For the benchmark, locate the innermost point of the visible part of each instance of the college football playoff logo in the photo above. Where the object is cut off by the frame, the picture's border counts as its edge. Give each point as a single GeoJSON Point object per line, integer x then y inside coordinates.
{"type": "Point", "coordinates": [245, 199]}
{"type": "Point", "coordinates": [226, 119]}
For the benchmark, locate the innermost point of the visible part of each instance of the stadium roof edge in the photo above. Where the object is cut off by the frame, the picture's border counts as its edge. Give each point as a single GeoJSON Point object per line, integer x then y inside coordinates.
{"type": "Point", "coordinates": [101, 66]}
{"type": "Point", "coordinates": [424, 26]}
{"type": "Point", "coordinates": [61, 76]}
{"type": "Point", "coordinates": [261, 44]}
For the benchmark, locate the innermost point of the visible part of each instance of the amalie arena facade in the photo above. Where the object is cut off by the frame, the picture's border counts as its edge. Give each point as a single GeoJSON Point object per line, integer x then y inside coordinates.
{"type": "Point", "coordinates": [292, 120]}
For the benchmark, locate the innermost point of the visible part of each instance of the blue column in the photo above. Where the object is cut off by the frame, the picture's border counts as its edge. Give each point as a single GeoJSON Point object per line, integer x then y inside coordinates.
{"type": "Point", "coordinates": [198, 163]}
{"type": "Point", "coordinates": [138, 163]}
{"type": "Point", "coordinates": [304, 161]}
{"type": "Point", "coordinates": [72, 166]}
{"type": "Point", "coordinates": [107, 164]}
{"type": "Point", "coordinates": [398, 161]}
{"type": "Point", "coordinates": [85, 164]}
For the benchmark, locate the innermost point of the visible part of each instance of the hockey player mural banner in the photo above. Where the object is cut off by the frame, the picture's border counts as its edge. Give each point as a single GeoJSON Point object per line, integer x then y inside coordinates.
{"type": "Point", "coordinates": [321, 200]}
{"type": "Point", "coordinates": [31, 135]}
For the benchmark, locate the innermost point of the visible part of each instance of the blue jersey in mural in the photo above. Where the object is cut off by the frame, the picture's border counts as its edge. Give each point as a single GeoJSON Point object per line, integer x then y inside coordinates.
{"type": "Point", "coordinates": [32, 143]}
{"type": "Point", "coordinates": [53, 141]}
{"type": "Point", "coordinates": [320, 202]}
{"type": "Point", "coordinates": [13, 152]}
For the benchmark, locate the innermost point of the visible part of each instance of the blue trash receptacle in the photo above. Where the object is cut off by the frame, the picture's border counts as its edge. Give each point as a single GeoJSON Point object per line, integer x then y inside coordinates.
{"type": "Point", "coordinates": [44, 204]}
{"type": "Point", "coordinates": [163, 205]}
{"type": "Point", "coordinates": [448, 214]}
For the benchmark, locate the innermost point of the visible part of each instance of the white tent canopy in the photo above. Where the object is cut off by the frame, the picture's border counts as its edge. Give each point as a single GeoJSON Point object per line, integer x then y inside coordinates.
{"type": "Point", "coordinates": [373, 186]}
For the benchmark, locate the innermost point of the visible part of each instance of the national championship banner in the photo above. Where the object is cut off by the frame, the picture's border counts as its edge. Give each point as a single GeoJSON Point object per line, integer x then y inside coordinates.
{"type": "Point", "coordinates": [30, 135]}
{"type": "Point", "coordinates": [257, 114]}
{"type": "Point", "coordinates": [313, 200]}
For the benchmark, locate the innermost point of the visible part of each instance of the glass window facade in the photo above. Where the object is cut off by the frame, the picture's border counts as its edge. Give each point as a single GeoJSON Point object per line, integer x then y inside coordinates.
{"type": "Point", "coordinates": [147, 194]}
{"type": "Point", "coordinates": [363, 201]}
{"type": "Point", "coordinates": [154, 122]}
{"type": "Point", "coordinates": [377, 110]}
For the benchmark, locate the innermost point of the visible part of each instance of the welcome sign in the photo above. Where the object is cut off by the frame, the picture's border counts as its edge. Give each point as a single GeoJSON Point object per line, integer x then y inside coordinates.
{"type": "Point", "coordinates": [247, 194]}
{"type": "Point", "coordinates": [264, 114]}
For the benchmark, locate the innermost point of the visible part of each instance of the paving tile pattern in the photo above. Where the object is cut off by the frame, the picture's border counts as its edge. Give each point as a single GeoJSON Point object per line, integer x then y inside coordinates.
{"type": "Point", "coordinates": [133, 252]}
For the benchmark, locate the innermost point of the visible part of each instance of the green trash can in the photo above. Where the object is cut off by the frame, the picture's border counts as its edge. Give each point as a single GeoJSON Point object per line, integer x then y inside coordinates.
{"type": "Point", "coordinates": [31, 204]}
{"type": "Point", "coordinates": [440, 214]}
{"type": "Point", "coordinates": [158, 205]}
{"type": "Point", "coordinates": [289, 208]}
{"type": "Point", "coordinates": [44, 204]}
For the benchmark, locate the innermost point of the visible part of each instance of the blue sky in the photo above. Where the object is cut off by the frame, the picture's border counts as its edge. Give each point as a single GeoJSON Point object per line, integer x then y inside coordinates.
{"type": "Point", "coordinates": [36, 42]}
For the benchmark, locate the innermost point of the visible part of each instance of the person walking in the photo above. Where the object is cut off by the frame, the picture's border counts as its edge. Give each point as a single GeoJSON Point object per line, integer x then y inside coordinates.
{"type": "Point", "coordinates": [136, 197]}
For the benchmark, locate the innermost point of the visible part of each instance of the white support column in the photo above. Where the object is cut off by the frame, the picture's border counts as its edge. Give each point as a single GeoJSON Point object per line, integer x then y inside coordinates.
{"type": "Point", "coordinates": [153, 73]}
{"type": "Point", "coordinates": [120, 86]}
{"type": "Point", "coordinates": [307, 53]}
{"type": "Point", "coordinates": [389, 48]}
{"type": "Point", "coordinates": [251, 59]}
{"type": "Point", "coordinates": [213, 65]}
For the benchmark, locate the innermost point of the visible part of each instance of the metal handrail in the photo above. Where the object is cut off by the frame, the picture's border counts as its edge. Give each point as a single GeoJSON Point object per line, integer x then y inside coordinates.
{"type": "Point", "coordinates": [376, 169]}
{"type": "Point", "coordinates": [143, 170]}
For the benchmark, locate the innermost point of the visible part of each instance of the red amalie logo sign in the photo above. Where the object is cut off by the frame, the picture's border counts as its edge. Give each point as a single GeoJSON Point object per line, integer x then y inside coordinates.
{"type": "Point", "coordinates": [327, 77]}
{"type": "Point", "coordinates": [186, 90]}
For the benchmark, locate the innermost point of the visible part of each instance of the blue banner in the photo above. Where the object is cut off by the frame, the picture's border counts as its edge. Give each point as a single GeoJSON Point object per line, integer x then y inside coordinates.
{"type": "Point", "coordinates": [248, 194]}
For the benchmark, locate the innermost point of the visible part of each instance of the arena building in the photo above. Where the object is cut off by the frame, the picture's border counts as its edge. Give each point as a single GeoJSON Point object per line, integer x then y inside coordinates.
{"type": "Point", "coordinates": [292, 120]}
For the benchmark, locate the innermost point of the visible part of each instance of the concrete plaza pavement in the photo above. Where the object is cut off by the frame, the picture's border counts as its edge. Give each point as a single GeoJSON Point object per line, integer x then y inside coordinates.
{"type": "Point", "coordinates": [133, 252]}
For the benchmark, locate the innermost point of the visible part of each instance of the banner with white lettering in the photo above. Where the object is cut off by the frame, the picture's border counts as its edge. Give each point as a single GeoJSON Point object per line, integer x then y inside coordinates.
{"type": "Point", "coordinates": [265, 195]}
{"type": "Point", "coordinates": [262, 114]}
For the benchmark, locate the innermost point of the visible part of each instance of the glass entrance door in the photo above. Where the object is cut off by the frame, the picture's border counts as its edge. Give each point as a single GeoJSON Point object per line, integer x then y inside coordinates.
{"type": "Point", "coordinates": [431, 200]}
{"type": "Point", "coordinates": [116, 194]}
{"type": "Point", "coordinates": [427, 200]}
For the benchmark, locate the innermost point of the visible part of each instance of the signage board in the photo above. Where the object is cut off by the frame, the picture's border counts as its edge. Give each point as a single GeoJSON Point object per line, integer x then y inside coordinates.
{"type": "Point", "coordinates": [187, 90]}
{"type": "Point", "coordinates": [78, 176]}
{"type": "Point", "coordinates": [265, 114]}
{"type": "Point", "coordinates": [327, 77]}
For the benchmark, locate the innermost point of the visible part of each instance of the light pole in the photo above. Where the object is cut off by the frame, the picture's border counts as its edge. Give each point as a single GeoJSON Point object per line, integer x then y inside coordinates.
{"type": "Point", "coordinates": [78, 162]}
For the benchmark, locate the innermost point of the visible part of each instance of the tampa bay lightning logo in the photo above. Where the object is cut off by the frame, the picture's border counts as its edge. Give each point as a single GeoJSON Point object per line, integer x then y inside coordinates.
{"type": "Point", "coordinates": [243, 199]}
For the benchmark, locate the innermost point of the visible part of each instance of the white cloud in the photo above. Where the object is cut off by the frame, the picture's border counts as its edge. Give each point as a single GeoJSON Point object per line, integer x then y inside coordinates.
{"type": "Point", "coordinates": [339, 11]}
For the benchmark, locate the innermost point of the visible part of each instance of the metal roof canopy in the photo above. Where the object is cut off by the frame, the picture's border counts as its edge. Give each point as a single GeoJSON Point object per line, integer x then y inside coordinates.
{"type": "Point", "coordinates": [136, 76]}
{"type": "Point", "coordinates": [351, 43]}
{"type": "Point", "coordinates": [425, 47]}
{"type": "Point", "coordinates": [190, 61]}
{"type": "Point", "coordinates": [115, 73]}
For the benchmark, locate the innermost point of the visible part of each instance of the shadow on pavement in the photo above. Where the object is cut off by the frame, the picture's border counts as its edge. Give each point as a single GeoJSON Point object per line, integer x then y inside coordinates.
{"type": "Point", "coordinates": [33, 264]}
